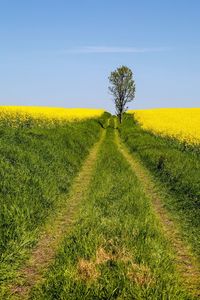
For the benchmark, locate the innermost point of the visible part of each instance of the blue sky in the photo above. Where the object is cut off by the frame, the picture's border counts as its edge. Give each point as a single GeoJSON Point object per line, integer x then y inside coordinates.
{"type": "Point", "coordinates": [60, 53]}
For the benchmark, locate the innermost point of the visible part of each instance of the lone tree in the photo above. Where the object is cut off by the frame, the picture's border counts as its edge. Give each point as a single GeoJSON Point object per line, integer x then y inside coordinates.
{"type": "Point", "coordinates": [122, 87]}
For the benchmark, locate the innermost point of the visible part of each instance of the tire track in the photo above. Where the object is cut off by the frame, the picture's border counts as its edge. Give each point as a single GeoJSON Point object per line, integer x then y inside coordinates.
{"type": "Point", "coordinates": [45, 250]}
{"type": "Point", "coordinates": [186, 264]}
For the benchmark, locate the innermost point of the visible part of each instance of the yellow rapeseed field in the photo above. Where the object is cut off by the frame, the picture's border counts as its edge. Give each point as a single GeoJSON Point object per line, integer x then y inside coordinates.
{"type": "Point", "coordinates": [180, 123]}
{"type": "Point", "coordinates": [15, 115]}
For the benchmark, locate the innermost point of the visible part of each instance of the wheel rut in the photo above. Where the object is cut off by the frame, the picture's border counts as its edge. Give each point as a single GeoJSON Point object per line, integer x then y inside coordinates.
{"type": "Point", "coordinates": [44, 252]}
{"type": "Point", "coordinates": [185, 262]}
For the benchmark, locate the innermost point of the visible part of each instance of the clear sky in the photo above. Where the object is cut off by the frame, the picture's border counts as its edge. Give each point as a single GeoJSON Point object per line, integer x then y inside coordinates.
{"type": "Point", "coordinates": [60, 52]}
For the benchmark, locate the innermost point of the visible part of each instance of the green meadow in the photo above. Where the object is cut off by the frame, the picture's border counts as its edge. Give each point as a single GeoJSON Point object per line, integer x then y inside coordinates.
{"type": "Point", "coordinates": [116, 244]}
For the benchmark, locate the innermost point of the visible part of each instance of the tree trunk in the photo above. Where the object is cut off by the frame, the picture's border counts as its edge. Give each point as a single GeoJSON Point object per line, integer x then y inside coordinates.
{"type": "Point", "coordinates": [120, 118]}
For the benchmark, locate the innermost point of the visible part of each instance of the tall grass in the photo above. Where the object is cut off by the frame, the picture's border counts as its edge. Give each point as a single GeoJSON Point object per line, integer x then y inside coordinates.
{"type": "Point", "coordinates": [177, 168]}
{"type": "Point", "coordinates": [116, 248]}
{"type": "Point", "coordinates": [37, 166]}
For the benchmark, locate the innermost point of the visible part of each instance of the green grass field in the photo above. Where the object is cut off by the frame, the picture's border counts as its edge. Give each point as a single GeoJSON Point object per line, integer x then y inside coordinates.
{"type": "Point", "coordinates": [75, 190]}
{"type": "Point", "coordinates": [177, 170]}
{"type": "Point", "coordinates": [37, 167]}
{"type": "Point", "coordinates": [116, 248]}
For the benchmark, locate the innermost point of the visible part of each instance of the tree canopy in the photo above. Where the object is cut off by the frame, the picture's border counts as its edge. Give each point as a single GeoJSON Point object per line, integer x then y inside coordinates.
{"type": "Point", "coordinates": [122, 87]}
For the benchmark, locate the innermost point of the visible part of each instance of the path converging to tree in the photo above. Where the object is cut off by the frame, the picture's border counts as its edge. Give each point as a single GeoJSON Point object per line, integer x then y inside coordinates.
{"type": "Point", "coordinates": [114, 239]}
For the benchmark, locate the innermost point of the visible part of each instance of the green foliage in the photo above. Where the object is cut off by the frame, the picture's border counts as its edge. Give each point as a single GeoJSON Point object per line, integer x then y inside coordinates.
{"type": "Point", "coordinates": [122, 88]}
{"type": "Point", "coordinates": [177, 168]}
{"type": "Point", "coordinates": [116, 248]}
{"type": "Point", "coordinates": [37, 166]}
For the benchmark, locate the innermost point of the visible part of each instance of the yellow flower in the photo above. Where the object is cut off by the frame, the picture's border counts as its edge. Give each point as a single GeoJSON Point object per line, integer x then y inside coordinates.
{"type": "Point", "coordinates": [15, 115]}
{"type": "Point", "coordinates": [180, 123]}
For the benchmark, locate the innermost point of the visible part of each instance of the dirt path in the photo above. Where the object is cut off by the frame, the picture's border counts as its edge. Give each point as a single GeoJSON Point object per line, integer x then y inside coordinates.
{"type": "Point", "coordinates": [44, 253]}
{"type": "Point", "coordinates": [186, 264]}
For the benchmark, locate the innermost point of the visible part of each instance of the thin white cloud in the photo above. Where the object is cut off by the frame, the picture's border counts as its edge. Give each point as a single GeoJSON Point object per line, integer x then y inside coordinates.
{"type": "Point", "coordinates": [107, 49]}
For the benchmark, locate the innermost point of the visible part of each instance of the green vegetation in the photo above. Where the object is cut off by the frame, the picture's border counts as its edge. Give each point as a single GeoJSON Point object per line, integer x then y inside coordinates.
{"type": "Point", "coordinates": [37, 166]}
{"type": "Point", "coordinates": [176, 167]}
{"type": "Point", "coordinates": [116, 248]}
